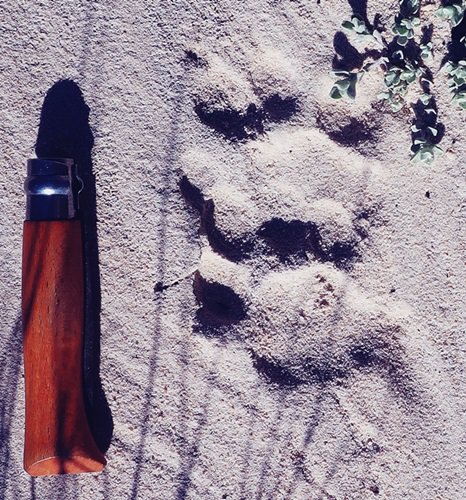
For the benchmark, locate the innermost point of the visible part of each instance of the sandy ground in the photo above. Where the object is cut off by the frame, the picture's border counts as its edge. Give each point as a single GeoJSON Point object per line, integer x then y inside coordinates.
{"type": "Point", "coordinates": [282, 295]}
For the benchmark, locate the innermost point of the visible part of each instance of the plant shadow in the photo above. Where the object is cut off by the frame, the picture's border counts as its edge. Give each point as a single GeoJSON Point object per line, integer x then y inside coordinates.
{"type": "Point", "coordinates": [10, 372]}
{"type": "Point", "coordinates": [456, 49]}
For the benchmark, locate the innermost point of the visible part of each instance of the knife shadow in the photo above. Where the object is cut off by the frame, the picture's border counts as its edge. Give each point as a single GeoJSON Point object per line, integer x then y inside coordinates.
{"type": "Point", "coordinates": [64, 132]}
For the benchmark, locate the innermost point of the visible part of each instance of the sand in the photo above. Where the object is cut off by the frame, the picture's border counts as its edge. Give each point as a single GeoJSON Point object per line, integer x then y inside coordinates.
{"type": "Point", "coordinates": [282, 290]}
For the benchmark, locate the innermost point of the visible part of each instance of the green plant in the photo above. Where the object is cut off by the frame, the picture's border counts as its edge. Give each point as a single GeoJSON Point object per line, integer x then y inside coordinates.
{"type": "Point", "coordinates": [425, 98]}
{"type": "Point", "coordinates": [452, 13]}
{"type": "Point", "coordinates": [398, 73]}
{"type": "Point", "coordinates": [357, 25]}
{"type": "Point", "coordinates": [404, 30]}
{"type": "Point", "coordinates": [397, 79]}
{"type": "Point", "coordinates": [404, 25]}
{"type": "Point", "coordinates": [425, 152]}
{"type": "Point", "coordinates": [403, 67]}
{"type": "Point", "coordinates": [346, 85]}
{"type": "Point", "coordinates": [432, 130]}
{"type": "Point", "coordinates": [457, 81]}
{"type": "Point", "coordinates": [425, 132]}
{"type": "Point", "coordinates": [426, 50]}
{"type": "Point", "coordinates": [359, 28]}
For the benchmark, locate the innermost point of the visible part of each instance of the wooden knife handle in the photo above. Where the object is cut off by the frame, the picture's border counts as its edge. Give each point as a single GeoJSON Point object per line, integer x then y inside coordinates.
{"type": "Point", "coordinates": [57, 435]}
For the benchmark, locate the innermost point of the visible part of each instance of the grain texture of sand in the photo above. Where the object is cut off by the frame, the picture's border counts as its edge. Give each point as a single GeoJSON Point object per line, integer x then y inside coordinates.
{"type": "Point", "coordinates": [282, 292]}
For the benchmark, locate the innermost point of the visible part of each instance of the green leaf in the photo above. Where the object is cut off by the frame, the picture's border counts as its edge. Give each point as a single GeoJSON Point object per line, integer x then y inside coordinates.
{"type": "Point", "coordinates": [449, 66]}
{"type": "Point", "coordinates": [391, 78]}
{"type": "Point", "coordinates": [427, 156]}
{"type": "Point", "coordinates": [456, 20]}
{"type": "Point", "coordinates": [426, 153]}
{"type": "Point", "coordinates": [377, 36]}
{"type": "Point", "coordinates": [445, 13]}
{"type": "Point", "coordinates": [408, 76]}
{"type": "Point", "coordinates": [402, 40]}
{"type": "Point", "coordinates": [426, 50]}
{"type": "Point", "coordinates": [351, 92]}
{"type": "Point", "coordinates": [460, 99]}
{"type": "Point", "coordinates": [360, 28]}
{"type": "Point", "coordinates": [415, 158]}
{"type": "Point", "coordinates": [335, 93]}
{"type": "Point", "coordinates": [342, 85]}
{"type": "Point", "coordinates": [348, 25]}
{"type": "Point", "coordinates": [399, 29]}
{"type": "Point", "coordinates": [340, 72]}
{"type": "Point", "coordinates": [425, 98]}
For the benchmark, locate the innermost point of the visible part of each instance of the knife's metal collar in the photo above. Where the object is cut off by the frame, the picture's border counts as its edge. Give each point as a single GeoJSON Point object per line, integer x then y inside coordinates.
{"type": "Point", "coordinates": [52, 189]}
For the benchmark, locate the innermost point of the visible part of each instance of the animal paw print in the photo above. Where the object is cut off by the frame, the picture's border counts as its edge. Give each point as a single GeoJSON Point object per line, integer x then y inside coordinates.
{"type": "Point", "coordinates": [241, 109]}
{"type": "Point", "coordinates": [285, 213]}
{"type": "Point", "coordinates": [237, 125]}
